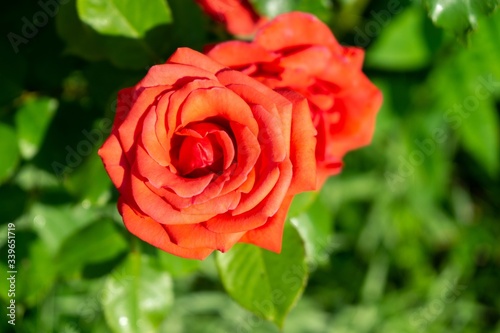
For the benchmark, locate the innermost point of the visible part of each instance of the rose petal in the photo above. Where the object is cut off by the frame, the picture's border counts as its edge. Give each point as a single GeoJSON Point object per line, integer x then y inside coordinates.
{"type": "Point", "coordinates": [238, 15]}
{"type": "Point", "coordinates": [173, 75]}
{"type": "Point", "coordinates": [196, 235]}
{"type": "Point", "coordinates": [295, 78]}
{"type": "Point", "coordinates": [187, 56]}
{"type": "Point", "coordinates": [270, 235]}
{"type": "Point", "coordinates": [247, 153]}
{"type": "Point", "coordinates": [170, 110]}
{"type": "Point", "coordinates": [196, 155]}
{"type": "Point", "coordinates": [162, 177]}
{"type": "Point", "coordinates": [202, 129]}
{"type": "Point", "coordinates": [154, 233]}
{"type": "Point", "coordinates": [324, 101]}
{"type": "Point", "coordinates": [303, 144]}
{"type": "Point", "coordinates": [129, 130]}
{"type": "Point", "coordinates": [222, 147]}
{"type": "Point", "coordinates": [295, 29]}
{"type": "Point", "coordinates": [355, 55]}
{"type": "Point", "coordinates": [213, 205]}
{"type": "Point", "coordinates": [162, 130]}
{"type": "Point", "coordinates": [226, 223]}
{"type": "Point", "coordinates": [150, 140]}
{"type": "Point", "coordinates": [327, 169]}
{"type": "Point", "coordinates": [271, 135]}
{"type": "Point", "coordinates": [114, 161]}
{"type": "Point", "coordinates": [265, 183]}
{"type": "Point", "coordinates": [270, 205]}
{"type": "Point", "coordinates": [227, 147]}
{"type": "Point", "coordinates": [234, 79]}
{"type": "Point", "coordinates": [357, 121]}
{"type": "Point", "coordinates": [236, 54]}
{"type": "Point", "coordinates": [276, 105]}
{"type": "Point", "coordinates": [216, 102]}
{"type": "Point", "coordinates": [312, 60]}
{"type": "Point", "coordinates": [157, 208]}
{"type": "Point", "coordinates": [259, 214]}
{"type": "Point", "coordinates": [249, 182]}
{"type": "Point", "coordinates": [123, 105]}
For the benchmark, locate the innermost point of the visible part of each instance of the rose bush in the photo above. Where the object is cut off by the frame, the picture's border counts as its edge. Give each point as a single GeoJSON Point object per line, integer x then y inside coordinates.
{"type": "Point", "coordinates": [297, 51]}
{"type": "Point", "coordinates": [238, 16]}
{"type": "Point", "coordinates": [204, 157]}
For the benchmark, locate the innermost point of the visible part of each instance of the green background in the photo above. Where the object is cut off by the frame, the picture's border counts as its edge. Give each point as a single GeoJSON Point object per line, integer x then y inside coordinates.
{"type": "Point", "coordinates": [404, 240]}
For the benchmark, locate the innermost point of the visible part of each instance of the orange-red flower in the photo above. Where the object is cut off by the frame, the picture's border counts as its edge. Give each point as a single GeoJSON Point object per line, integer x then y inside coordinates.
{"type": "Point", "coordinates": [238, 16]}
{"type": "Point", "coordinates": [298, 51]}
{"type": "Point", "coordinates": [205, 157]}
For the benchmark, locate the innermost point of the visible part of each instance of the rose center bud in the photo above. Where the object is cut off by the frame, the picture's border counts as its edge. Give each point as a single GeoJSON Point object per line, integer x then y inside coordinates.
{"type": "Point", "coordinates": [199, 152]}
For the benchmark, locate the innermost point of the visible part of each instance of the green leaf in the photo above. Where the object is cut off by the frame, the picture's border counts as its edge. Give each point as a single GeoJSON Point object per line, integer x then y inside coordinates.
{"type": "Point", "coordinates": [123, 50]}
{"type": "Point", "coordinates": [81, 40]}
{"type": "Point", "coordinates": [39, 264]}
{"type": "Point", "coordinates": [323, 9]}
{"type": "Point", "coordinates": [485, 45]}
{"type": "Point", "coordinates": [401, 45]}
{"type": "Point", "coordinates": [465, 86]}
{"type": "Point", "coordinates": [138, 297]}
{"type": "Point", "coordinates": [177, 266]}
{"type": "Point", "coordinates": [99, 242]}
{"type": "Point", "coordinates": [315, 227]}
{"type": "Point", "coordinates": [307, 316]}
{"type": "Point", "coordinates": [13, 68]}
{"type": "Point", "coordinates": [344, 189]}
{"type": "Point", "coordinates": [130, 53]}
{"type": "Point", "coordinates": [481, 137]}
{"type": "Point", "coordinates": [127, 18]}
{"type": "Point", "coordinates": [301, 202]}
{"type": "Point", "coordinates": [207, 311]}
{"type": "Point", "coordinates": [96, 192]}
{"type": "Point", "coordinates": [54, 224]}
{"type": "Point", "coordinates": [266, 283]}
{"type": "Point", "coordinates": [45, 319]}
{"type": "Point", "coordinates": [9, 151]}
{"type": "Point", "coordinates": [30, 178]}
{"type": "Point", "coordinates": [459, 16]}
{"type": "Point", "coordinates": [189, 27]}
{"type": "Point", "coordinates": [128, 29]}
{"type": "Point", "coordinates": [32, 121]}
{"type": "Point", "coordinates": [13, 201]}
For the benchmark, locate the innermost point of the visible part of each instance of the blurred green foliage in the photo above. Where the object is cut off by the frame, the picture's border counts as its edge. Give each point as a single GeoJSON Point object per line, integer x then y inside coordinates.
{"type": "Point", "coordinates": [405, 239]}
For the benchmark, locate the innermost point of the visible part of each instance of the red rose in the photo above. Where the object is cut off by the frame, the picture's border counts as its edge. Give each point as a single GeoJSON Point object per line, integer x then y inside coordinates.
{"type": "Point", "coordinates": [299, 52]}
{"type": "Point", "coordinates": [205, 157]}
{"type": "Point", "coordinates": [238, 16]}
